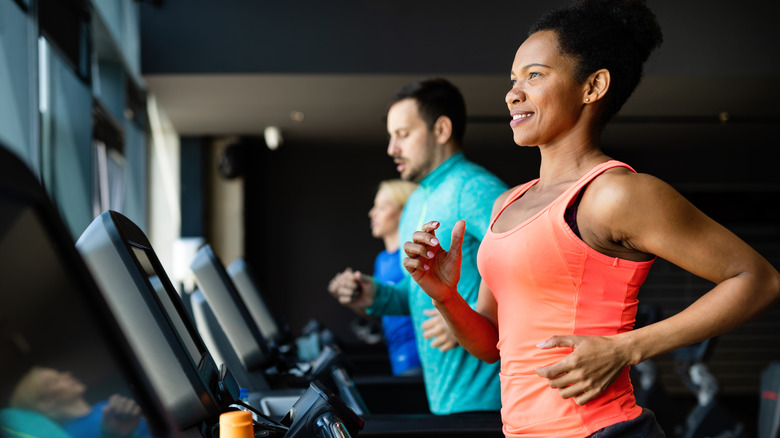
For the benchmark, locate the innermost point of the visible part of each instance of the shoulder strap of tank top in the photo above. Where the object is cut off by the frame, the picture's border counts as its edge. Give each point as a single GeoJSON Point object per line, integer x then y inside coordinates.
{"type": "Point", "coordinates": [590, 176]}
{"type": "Point", "coordinates": [518, 191]}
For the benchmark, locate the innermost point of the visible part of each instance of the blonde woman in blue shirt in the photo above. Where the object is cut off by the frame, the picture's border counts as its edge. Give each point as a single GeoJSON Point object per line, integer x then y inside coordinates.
{"type": "Point", "coordinates": [398, 329]}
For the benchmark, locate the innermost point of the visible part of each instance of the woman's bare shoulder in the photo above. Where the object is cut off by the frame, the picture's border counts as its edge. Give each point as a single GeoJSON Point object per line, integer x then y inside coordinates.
{"type": "Point", "coordinates": [619, 186]}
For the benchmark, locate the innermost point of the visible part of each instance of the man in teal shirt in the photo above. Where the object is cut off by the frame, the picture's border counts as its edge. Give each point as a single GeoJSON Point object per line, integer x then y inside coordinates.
{"type": "Point", "coordinates": [426, 122]}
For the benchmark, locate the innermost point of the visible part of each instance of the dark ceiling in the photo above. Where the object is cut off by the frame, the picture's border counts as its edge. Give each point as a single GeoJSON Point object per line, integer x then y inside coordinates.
{"type": "Point", "coordinates": [233, 67]}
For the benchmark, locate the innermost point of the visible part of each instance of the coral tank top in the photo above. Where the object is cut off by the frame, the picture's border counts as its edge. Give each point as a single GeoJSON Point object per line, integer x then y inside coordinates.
{"type": "Point", "coordinates": [547, 282]}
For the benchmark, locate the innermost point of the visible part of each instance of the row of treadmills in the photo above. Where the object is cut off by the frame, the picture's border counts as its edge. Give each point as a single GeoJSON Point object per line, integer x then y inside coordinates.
{"type": "Point", "coordinates": [103, 310]}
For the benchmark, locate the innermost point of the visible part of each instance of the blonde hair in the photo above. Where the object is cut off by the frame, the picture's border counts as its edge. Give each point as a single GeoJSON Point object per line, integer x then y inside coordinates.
{"type": "Point", "coordinates": [398, 190]}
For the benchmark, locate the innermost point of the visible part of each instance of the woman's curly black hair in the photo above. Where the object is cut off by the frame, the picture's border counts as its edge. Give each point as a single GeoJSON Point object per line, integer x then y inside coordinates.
{"type": "Point", "coordinates": [618, 35]}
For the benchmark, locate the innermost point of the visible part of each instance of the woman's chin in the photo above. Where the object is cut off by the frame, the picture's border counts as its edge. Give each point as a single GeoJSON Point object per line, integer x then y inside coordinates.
{"type": "Point", "coordinates": [522, 140]}
{"type": "Point", "coordinates": [524, 143]}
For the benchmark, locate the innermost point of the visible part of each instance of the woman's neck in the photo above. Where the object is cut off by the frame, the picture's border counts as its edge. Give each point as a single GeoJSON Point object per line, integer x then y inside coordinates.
{"type": "Point", "coordinates": [391, 242]}
{"type": "Point", "coordinates": [569, 160]}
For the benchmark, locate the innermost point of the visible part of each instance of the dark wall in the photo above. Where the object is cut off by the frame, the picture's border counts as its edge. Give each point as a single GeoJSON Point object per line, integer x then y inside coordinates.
{"type": "Point", "coordinates": [306, 219]}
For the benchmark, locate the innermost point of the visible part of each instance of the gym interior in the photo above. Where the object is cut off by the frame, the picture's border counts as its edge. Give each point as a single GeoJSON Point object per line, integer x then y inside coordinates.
{"type": "Point", "coordinates": [257, 130]}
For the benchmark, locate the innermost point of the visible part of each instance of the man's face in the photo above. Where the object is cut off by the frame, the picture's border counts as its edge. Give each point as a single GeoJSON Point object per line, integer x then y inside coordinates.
{"type": "Point", "coordinates": [411, 143]}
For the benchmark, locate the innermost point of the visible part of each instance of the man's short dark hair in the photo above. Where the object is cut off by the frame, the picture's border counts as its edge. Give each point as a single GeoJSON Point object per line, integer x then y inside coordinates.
{"type": "Point", "coordinates": [436, 97]}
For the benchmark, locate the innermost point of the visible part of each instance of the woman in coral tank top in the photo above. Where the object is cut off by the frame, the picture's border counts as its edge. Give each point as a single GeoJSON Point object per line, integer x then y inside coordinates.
{"type": "Point", "coordinates": [566, 253]}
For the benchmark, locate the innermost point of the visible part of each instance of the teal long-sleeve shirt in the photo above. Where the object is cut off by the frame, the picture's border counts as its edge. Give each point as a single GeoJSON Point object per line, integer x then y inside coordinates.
{"type": "Point", "coordinates": [455, 381]}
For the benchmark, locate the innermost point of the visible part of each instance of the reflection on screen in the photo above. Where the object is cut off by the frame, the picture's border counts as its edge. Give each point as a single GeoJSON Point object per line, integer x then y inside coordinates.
{"type": "Point", "coordinates": [59, 375]}
{"type": "Point", "coordinates": [167, 303]}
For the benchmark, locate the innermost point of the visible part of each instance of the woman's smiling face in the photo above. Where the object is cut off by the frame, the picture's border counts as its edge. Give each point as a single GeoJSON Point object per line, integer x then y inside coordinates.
{"type": "Point", "coordinates": [545, 101]}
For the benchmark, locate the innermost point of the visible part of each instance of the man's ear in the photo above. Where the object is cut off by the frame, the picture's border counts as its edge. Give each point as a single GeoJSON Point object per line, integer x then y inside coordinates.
{"type": "Point", "coordinates": [596, 86]}
{"type": "Point", "coordinates": [442, 130]}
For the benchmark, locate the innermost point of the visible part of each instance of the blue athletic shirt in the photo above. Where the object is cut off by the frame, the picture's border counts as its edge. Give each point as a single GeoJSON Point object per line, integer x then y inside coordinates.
{"type": "Point", "coordinates": [89, 426]}
{"type": "Point", "coordinates": [398, 330]}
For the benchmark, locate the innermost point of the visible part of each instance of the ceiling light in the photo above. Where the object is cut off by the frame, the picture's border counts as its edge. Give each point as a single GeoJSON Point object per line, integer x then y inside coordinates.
{"type": "Point", "coordinates": [273, 137]}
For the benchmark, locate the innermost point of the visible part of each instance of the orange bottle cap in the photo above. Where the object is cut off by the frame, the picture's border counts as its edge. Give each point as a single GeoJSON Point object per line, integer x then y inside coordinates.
{"type": "Point", "coordinates": [236, 424]}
